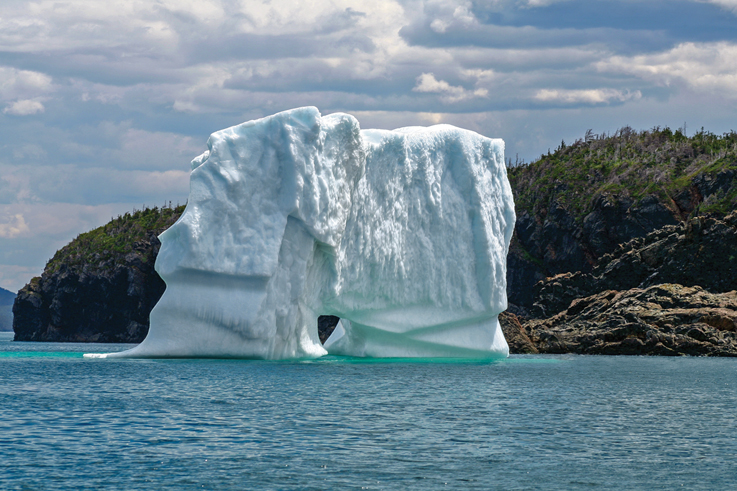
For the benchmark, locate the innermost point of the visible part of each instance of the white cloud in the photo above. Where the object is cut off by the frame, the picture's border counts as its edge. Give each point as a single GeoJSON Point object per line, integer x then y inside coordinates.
{"type": "Point", "coordinates": [543, 3]}
{"type": "Point", "coordinates": [725, 4]}
{"type": "Point", "coordinates": [22, 84]}
{"type": "Point", "coordinates": [710, 67]}
{"type": "Point", "coordinates": [461, 16]}
{"type": "Point", "coordinates": [24, 108]}
{"type": "Point", "coordinates": [586, 96]}
{"type": "Point", "coordinates": [449, 93]}
{"type": "Point", "coordinates": [13, 226]}
{"type": "Point", "coordinates": [23, 91]}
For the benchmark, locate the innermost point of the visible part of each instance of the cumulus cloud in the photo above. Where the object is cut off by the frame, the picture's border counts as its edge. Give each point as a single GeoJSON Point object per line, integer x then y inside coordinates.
{"type": "Point", "coordinates": [461, 16]}
{"type": "Point", "coordinates": [699, 66]}
{"type": "Point", "coordinates": [13, 226]}
{"type": "Point", "coordinates": [24, 107]}
{"type": "Point", "coordinates": [22, 91]}
{"type": "Point", "coordinates": [586, 96]}
{"type": "Point", "coordinates": [449, 93]}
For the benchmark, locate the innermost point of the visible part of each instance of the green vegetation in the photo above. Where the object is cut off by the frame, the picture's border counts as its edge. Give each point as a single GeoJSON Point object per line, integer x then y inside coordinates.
{"type": "Point", "coordinates": [108, 245]}
{"type": "Point", "coordinates": [627, 164]}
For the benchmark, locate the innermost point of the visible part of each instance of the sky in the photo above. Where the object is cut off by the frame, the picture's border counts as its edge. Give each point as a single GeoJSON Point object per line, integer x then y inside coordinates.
{"type": "Point", "coordinates": [104, 104]}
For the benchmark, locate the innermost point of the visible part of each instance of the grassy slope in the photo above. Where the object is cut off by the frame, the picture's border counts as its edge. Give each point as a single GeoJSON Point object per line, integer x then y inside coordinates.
{"type": "Point", "coordinates": [629, 163]}
{"type": "Point", "coordinates": [114, 240]}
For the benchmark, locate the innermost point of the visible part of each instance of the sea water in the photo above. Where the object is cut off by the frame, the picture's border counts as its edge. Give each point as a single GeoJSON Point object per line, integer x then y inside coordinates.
{"type": "Point", "coordinates": [528, 422]}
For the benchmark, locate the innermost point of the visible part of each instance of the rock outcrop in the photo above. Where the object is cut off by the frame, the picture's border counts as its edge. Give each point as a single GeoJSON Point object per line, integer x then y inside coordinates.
{"type": "Point", "coordinates": [700, 252]}
{"type": "Point", "coordinates": [517, 338]}
{"type": "Point", "coordinates": [671, 292]}
{"type": "Point", "coordinates": [665, 319]}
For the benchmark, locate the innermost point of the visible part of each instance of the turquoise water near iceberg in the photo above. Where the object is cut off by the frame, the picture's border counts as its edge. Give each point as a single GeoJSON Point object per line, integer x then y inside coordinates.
{"type": "Point", "coordinates": [529, 422]}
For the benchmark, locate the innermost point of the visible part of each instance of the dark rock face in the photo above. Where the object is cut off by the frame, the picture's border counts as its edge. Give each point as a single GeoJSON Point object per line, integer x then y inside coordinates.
{"type": "Point", "coordinates": [671, 292]}
{"type": "Point", "coordinates": [106, 303]}
{"type": "Point", "coordinates": [617, 220]}
{"type": "Point", "coordinates": [708, 184]}
{"type": "Point", "coordinates": [702, 252]}
{"type": "Point", "coordinates": [556, 243]}
{"type": "Point", "coordinates": [325, 326]}
{"type": "Point", "coordinates": [665, 319]}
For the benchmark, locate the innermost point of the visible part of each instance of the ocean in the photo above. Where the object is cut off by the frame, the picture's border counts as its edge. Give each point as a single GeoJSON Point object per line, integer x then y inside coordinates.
{"type": "Point", "coordinates": [527, 422]}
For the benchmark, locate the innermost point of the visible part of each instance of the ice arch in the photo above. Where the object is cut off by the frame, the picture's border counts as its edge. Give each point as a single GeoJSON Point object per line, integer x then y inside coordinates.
{"type": "Point", "coordinates": [402, 234]}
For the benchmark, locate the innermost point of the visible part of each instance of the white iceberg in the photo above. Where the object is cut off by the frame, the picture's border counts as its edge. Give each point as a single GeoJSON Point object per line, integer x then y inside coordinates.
{"type": "Point", "coordinates": [402, 234]}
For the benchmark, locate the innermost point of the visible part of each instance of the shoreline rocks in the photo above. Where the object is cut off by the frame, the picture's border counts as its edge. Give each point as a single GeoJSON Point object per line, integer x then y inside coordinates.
{"type": "Point", "coordinates": [669, 293]}
{"type": "Point", "coordinates": [665, 320]}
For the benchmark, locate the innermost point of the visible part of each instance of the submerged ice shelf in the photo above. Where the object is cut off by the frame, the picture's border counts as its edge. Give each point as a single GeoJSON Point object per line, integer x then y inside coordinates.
{"type": "Point", "coordinates": [402, 234]}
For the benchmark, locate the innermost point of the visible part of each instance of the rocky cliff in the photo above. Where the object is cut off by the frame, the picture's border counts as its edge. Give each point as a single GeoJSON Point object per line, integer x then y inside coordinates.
{"type": "Point", "coordinates": [617, 237]}
{"type": "Point", "coordinates": [100, 287]}
{"type": "Point", "coordinates": [584, 200]}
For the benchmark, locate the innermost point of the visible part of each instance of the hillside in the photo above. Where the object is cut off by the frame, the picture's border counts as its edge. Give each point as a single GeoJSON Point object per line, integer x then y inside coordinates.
{"type": "Point", "coordinates": [626, 244]}
{"type": "Point", "coordinates": [100, 287]}
{"type": "Point", "coordinates": [6, 313]}
{"type": "Point", "coordinates": [583, 200]}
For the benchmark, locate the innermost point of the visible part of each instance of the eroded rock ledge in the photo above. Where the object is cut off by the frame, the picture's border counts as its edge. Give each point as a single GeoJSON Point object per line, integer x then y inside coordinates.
{"type": "Point", "coordinates": [666, 319]}
{"type": "Point", "coordinates": [671, 292]}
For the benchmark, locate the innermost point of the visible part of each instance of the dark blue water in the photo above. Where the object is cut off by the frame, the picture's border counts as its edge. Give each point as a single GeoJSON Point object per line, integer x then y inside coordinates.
{"type": "Point", "coordinates": [566, 422]}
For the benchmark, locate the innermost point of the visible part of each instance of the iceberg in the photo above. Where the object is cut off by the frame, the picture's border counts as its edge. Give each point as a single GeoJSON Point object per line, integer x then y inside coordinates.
{"type": "Point", "coordinates": [402, 234]}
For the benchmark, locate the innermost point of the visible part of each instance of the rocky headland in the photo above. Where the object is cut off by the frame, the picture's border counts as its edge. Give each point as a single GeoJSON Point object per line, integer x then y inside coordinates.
{"type": "Point", "coordinates": [100, 287]}
{"type": "Point", "coordinates": [624, 244]}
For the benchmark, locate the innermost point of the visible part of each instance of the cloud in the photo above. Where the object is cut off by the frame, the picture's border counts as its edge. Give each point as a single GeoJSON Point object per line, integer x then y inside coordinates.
{"type": "Point", "coordinates": [449, 93]}
{"type": "Point", "coordinates": [462, 16]}
{"type": "Point", "coordinates": [13, 226]}
{"type": "Point", "coordinates": [708, 67]}
{"type": "Point", "coordinates": [120, 96]}
{"type": "Point", "coordinates": [730, 5]}
{"type": "Point", "coordinates": [22, 89]}
{"type": "Point", "coordinates": [71, 184]}
{"type": "Point", "coordinates": [24, 108]}
{"type": "Point", "coordinates": [615, 24]}
{"type": "Point", "coordinates": [542, 3]}
{"type": "Point", "coordinates": [586, 96]}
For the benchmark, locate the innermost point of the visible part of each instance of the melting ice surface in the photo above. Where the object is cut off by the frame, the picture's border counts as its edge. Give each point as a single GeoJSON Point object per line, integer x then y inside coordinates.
{"type": "Point", "coordinates": [402, 234]}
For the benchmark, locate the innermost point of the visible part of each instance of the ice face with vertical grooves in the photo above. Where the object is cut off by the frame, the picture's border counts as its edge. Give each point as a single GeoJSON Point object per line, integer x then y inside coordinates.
{"type": "Point", "coordinates": [403, 234]}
